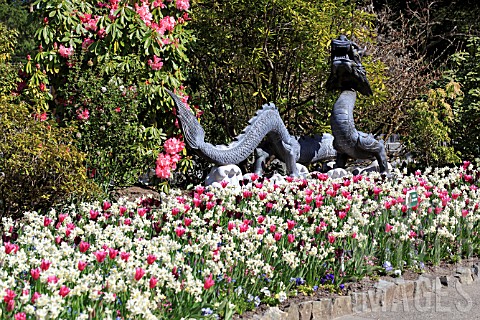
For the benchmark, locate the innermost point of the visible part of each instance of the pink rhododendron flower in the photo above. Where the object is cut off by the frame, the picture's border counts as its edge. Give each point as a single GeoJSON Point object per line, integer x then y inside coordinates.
{"type": "Point", "coordinates": [144, 12]}
{"type": "Point", "coordinates": [156, 64]}
{"type": "Point", "coordinates": [65, 52]}
{"type": "Point", "coordinates": [208, 282]}
{"type": "Point", "coordinates": [182, 5]}
{"type": "Point", "coordinates": [139, 273]}
{"type": "Point", "coordinates": [158, 3]}
{"type": "Point", "coordinates": [87, 42]}
{"type": "Point", "coordinates": [83, 114]}
{"type": "Point", "coordinates": [173, 145]}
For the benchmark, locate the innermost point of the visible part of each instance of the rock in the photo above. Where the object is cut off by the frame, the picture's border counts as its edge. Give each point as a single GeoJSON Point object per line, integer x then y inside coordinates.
{"type": "Point", "coordinates": [272, 313]}
{"type": "Point", "coordinates": [373, 167]}
{"type": "Point", "coordinates": [229, 173]}
{"type": "Point", "coordinates": [404, 290]}
{"type": "Point", "coordinates": [384, 293]}
{"type": "Point", "coordinates": [322, 309]}
{"type": "Point", "coordinates": [302, 170]}
{"type": "Point", "coordinates": [360, 302]}
{"type": "Point", "coordinates": [292, 312]}
{"type": "Point", "coordinates": [464, 275]}
{"type": "Point", "coordinates": [305, 310]}
{"type": "Point", "coordinates": [342, 306]}
{"type": "Point", "coordinates": [422, 286]}
{"type": "Point", "coordinates": [337, 173]}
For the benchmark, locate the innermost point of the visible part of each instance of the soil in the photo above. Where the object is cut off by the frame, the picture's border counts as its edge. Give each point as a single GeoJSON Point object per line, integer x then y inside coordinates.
{"type": "Point", "coordinates": [134, 192]}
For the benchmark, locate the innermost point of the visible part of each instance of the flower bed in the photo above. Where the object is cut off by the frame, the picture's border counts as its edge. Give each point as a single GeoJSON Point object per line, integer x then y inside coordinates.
{"type": "Point", "coordinates": [223, 251]}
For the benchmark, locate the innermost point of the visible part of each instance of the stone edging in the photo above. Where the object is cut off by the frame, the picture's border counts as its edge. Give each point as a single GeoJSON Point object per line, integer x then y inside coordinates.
{"type": "Point", "coordinates": [382, 296]}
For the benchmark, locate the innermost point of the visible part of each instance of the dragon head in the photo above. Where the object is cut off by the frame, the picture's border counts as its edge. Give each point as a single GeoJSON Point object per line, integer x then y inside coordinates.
{"type": "Point", "coordinates": [347, 71]}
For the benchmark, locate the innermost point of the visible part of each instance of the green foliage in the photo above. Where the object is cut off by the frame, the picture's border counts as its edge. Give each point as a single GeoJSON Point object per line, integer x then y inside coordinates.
{"type": "Point", "coordinates": [14, 15]}
{"type": "Point", "coordinates": [248, 53]}
{"type": "Point", "coordinates": [105, 117]}
{"type": "Point", "coordinates": [430, 123]}
{"type": "Point", "coordinates": [8, 40]}
{"type": "Point", "coordinates": [465, 69]}
{"type": "Point", "coordinates": [39, 164]}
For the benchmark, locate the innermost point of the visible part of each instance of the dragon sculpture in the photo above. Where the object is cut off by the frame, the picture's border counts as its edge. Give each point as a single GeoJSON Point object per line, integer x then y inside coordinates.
{"type": "Point", "coordinates": [266, 123]}
{"type": "Point", "coordinates": [349, 76]}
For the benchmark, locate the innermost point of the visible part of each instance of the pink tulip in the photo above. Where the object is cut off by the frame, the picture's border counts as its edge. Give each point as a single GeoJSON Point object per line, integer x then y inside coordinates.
{"type": "Point", "coordinates": [187, 221]}
{"type": "Point", "coordinates": [291, 224]}
{"type": "Point", "coordinates": [388, 227]}
{"type": "Point", "coordinates": [47, 221]}
{"type": "Point", "coordinates": [100, 255]}
{"type": "Point", "coordinates": [208, 282]}
{"type": "Point", "coordinates": [64, 290]}
{"type": "Point", "coordinates": [291, 238]}
{"type": "Point", "coordinates": [45, 265]}
{"type": "Point", "coordinates": [124, 256]}
{"type": "Point", "coordinates": [180, 231]}
{"type": "Point", "coordinates": [139, 273]}
{"type": "Point", "coordinates": [151, 258]}
{"type": "Point", "coordinates": [277, 236]}
{"type": "Point", "coordinates": [82, 265]}
{"type": "Point", "coordinates": [106, 205]}
{"type": "Point", "coordinates": [153, 282]}
{"type": "Point", "coordinates": [83, 246]}
{"type": "Point", "coordinates": [20, 316]}
{"type": "Point", "coordinates": [35, 296]}
{"type": "Point", "coordinates": [35, 273]}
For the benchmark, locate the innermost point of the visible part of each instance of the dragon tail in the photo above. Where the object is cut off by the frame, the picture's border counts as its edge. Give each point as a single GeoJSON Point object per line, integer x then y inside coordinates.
{"type": "Point", "coordinates": [193, 132]}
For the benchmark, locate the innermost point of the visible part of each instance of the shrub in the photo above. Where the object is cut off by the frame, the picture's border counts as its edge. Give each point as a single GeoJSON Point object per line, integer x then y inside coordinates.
{"type": "Point", "coordinates": [39, 164]}
{"type": "Point", "coordinates": [105, 117]}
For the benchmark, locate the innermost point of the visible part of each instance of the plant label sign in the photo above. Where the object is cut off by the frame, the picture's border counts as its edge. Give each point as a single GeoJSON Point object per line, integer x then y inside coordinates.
{"type": "Point", "coordinates": [412, 198]}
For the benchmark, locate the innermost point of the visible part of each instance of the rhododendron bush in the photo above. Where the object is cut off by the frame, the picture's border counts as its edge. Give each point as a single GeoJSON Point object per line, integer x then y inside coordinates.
{"type": "Point", "coordinates": [86, 47]}
{"type": "Point", "coordinates": [226, 250]}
